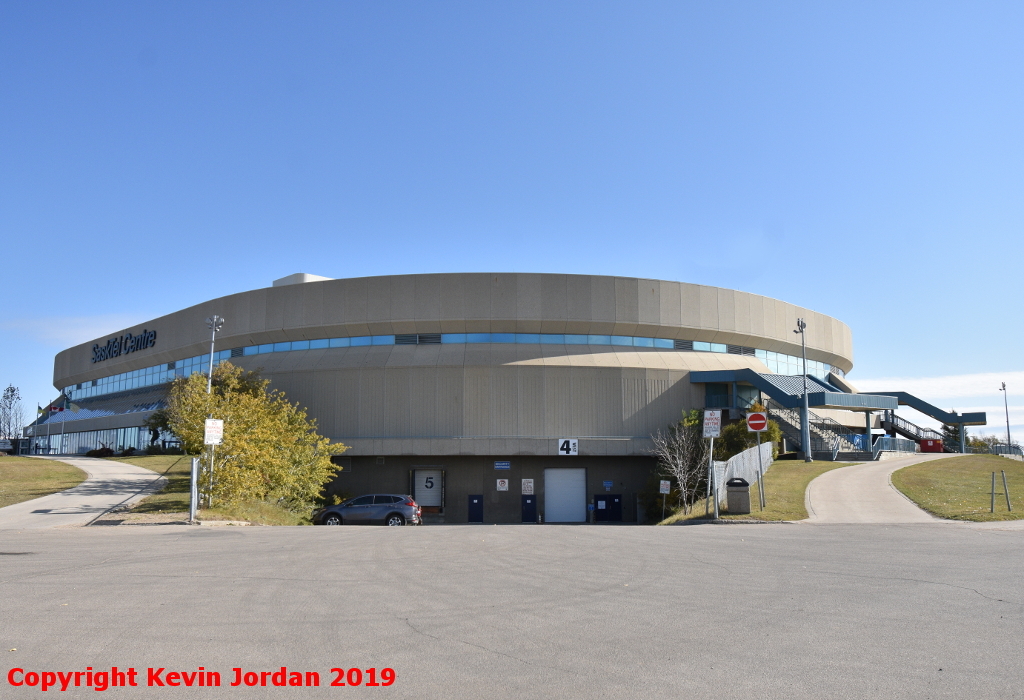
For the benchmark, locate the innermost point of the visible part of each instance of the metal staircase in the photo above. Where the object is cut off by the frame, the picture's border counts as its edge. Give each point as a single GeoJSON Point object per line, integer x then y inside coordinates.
{"type": "Point", "coordinates": [827, 435]}
{"type": "Point", "coordinates": [912, 431]}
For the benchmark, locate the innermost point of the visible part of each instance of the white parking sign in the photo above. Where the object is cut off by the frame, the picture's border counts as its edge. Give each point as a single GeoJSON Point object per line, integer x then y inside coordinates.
{"type": "Point", "coordinates": [214, 434]}
{"type": "Point", "coordinates": [712, 424]}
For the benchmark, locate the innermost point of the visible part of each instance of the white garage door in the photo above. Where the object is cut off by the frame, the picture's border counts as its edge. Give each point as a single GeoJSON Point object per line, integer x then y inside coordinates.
{"type": "Point", "coordinates": [565, 495]}
{"type": "Point", "coordinates": [429, 487]}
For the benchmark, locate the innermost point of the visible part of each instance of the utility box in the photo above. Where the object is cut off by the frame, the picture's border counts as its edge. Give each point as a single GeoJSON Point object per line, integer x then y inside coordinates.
{"type": "Point", "coordinates": [737, 496]}
{"type": "Point", "coordinates": [931, 445]}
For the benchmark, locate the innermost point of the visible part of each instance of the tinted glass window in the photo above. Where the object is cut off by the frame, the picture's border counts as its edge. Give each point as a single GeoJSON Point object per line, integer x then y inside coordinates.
{"type": "Point", "coordinates": [363, 501]}
{"type": "Point", "coordinates": [384, 499]}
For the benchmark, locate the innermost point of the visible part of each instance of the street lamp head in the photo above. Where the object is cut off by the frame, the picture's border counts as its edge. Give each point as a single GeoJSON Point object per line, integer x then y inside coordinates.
{"type": "Point", "coordinates": [800, 326]}
{"type": "Point", "coordinates": [215, 323]}
{"type": "Point", "coordinates": [1003, 387]}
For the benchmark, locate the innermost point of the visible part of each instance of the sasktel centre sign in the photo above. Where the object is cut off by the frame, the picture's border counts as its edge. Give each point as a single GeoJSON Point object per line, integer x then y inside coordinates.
{"type": "Point", "coordinates": [123, 345]}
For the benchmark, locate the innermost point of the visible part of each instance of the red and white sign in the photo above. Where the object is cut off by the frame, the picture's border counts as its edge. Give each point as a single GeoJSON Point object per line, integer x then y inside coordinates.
{"type": "Point", "coordinates": [214, 433]}
{"type": "Point", "coordinates": [712, 424]}
{"type": "Point", "coordinates": [757, 422]}
{"type": "Point", "coordinates": [503, 484]}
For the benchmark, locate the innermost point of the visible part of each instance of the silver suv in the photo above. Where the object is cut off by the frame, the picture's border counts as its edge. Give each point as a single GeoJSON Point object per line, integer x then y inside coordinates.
{"type": "Point", "coordinates": [375, 509]}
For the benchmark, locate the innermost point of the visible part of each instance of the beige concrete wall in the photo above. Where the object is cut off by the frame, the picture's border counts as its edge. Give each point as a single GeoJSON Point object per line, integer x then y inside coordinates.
{"type": "Point", "coordinates": [492, 399]}
{"type": "Point", "coordinates": [456, 303]}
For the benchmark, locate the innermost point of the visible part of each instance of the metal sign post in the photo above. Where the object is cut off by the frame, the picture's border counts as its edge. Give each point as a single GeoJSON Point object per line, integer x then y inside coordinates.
{"type": "Point", "coordinates": [193, 502]}
{"type": "Point", "coordinates": [213, 436]}
{"type": "Point", "coordinates": [665, 487]}
{"type": "Point", "coordinates": [758, 423]}
{"type": "Point", "coordinates": [712, 429]}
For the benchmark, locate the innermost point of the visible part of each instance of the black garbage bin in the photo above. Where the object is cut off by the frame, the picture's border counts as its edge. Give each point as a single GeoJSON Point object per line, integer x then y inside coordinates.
{"type": "Point", "coordinates": [737, 496]}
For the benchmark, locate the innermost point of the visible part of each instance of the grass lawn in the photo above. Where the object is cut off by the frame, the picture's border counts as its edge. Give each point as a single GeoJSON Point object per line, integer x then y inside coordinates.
{"type": "Point", "coordinates": [959, 488]}
{"type": "Point", "coordinates": [25, 478]}
{"type": "Point", "coordinates": [175, 496]}
{"type": "Point", "coordinates": [784, 486]}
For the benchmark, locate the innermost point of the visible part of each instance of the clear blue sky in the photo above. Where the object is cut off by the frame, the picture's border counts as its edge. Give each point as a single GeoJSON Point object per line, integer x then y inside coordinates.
{"type": "Point", "coordinates": [865, 161]}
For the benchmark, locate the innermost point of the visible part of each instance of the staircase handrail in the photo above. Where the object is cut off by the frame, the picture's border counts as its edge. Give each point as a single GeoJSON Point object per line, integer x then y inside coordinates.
{"type": "Point", "coordinates": [913, 428]}
{"type": "Point", "coordinates": [826, 429]}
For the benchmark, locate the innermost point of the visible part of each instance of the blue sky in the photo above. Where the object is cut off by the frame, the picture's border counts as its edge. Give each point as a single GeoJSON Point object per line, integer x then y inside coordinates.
{"type": "Point", "coordinates": [864, 160]}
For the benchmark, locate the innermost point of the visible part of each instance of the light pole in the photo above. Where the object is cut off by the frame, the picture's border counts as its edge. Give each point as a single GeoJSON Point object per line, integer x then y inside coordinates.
{"type": "Point", "coordinates": [805, 422]}
{"type": "Point", "coordinates": [1006, 406]}
{"type": "Point", "coordinates": [214, 323]}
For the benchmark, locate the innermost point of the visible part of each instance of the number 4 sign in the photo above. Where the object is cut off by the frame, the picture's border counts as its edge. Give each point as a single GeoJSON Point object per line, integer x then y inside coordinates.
{"type": "Point", "coordinates": [568, 446]}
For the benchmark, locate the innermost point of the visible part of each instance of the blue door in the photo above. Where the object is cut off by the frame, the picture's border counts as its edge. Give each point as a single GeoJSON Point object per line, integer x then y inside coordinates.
{"type": "Point", "coordinates": [476, 509]}
{"type": "Point", "coordinates": [608, 507]}
{"type": "Point", "coordinates": [529, 509]}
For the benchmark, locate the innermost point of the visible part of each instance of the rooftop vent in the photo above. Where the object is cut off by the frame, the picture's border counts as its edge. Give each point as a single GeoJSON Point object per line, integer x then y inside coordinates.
{"type": "Point", "coordinates": [300, 278]}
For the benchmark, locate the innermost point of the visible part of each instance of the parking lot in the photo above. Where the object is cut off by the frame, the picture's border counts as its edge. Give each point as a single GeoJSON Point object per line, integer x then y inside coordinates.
{"type": "Point", "coordinates": [768, 611]}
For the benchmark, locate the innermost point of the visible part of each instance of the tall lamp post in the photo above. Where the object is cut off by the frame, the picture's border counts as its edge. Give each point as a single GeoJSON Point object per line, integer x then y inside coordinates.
{"type": "Point", "coordinates": [805, 422]}
{"type": "Point", "coordinates": [214, 323]}
{"type": "Point", "coordinates": [1006, 406]}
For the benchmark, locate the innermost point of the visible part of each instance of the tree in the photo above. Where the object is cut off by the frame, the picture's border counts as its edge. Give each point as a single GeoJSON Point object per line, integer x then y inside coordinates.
{"type": "Point", "coordinates": [736, 438]}
{"type": "Point", "coordinates": [985, 442]}
{"type": "Point", "coordinates": [271, 450]}
{"type": "Point", "coordinates": [12, 417]}
{"type": "Point", "coordinates": [683, 455]}
{"type": "Point", "coordinates": [951, 434]}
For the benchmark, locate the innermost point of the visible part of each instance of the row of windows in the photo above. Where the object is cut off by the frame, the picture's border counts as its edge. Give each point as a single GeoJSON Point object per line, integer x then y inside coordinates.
{"type": "Point", "coordinates": [117, 439]}
{"type": "Point", "coordinates": [141, 378]}
{"type": "Point", "coordinates": [150, 376]}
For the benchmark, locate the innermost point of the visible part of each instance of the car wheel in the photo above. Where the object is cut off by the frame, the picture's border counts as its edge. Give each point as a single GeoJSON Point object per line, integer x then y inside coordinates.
{"type": "Point", "coordinates": [332, 519]}
{"type": "Point", "coordinates": [395, 520]}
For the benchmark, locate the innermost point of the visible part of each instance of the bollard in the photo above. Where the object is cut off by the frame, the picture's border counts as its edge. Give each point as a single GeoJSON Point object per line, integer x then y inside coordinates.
{"type": "Point", "coordinates": [992, 507]}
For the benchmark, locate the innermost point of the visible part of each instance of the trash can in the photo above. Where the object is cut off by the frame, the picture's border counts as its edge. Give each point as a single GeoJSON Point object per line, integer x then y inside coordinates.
{"type": "Point", "coordinates": [737, 496]}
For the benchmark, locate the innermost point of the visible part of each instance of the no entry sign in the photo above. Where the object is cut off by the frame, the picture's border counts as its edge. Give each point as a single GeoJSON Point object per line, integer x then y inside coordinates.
{"type": "Point", "coordinates": [757, 422]}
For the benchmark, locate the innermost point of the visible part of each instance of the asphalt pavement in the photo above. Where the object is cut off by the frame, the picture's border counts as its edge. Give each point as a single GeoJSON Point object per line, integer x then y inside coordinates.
{"type": "Point", "coordinates": [109, 485]}
{"type": "Point", "coordinates": [525, 611]}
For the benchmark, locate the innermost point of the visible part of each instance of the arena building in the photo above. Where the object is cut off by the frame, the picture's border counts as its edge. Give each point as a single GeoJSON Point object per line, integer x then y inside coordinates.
{"type": "Point", "coordinates": [489, 397]}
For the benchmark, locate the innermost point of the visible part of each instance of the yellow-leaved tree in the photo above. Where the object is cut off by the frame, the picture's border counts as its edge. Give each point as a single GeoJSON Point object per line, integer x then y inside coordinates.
{"type": "Point", "coordinates": [271, 450]}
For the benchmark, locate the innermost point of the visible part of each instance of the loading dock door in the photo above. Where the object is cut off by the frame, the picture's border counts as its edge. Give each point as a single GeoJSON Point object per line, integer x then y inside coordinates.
{"type": "Point", "coordinates": [428, 487]}
{"type": "Point", "coordinates": [529, 509]}
{"type": "Point", "coordinates": [565, 495]}
{"type": "Point", "coordinates": [476, 509]}
{"type": "Point", "coordinates": [608, 507]}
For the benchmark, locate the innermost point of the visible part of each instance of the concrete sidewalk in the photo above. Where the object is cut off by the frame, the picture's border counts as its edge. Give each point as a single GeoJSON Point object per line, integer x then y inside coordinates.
{"type": "Point", "coordinates": [863, 493]}
{"type": "Point", "coordinates": [110, 484]}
